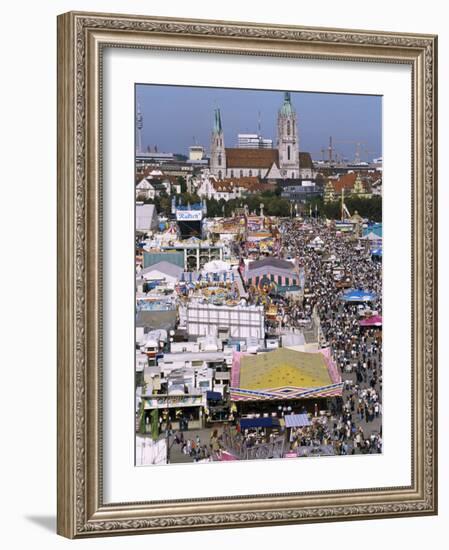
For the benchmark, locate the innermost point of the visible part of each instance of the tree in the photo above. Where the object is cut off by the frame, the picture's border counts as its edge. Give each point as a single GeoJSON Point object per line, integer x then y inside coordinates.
{"type": "Point", "coordinates": [277, 206]}
{"type": "Point", "coordinates": [214, 209]}
{"type": "Point", "coordinates": [367, 208]}
{"type": "Point", "coordinates": [190, 198]}
{"type": "Point", "coordinates": [165, 205]}
{"type": "Point", "coordinates": [183, 184]}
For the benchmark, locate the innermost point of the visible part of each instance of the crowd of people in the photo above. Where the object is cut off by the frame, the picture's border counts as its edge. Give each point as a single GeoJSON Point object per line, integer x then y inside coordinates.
{"type": "Point", "coordinates": [352, 424]}
{"type": "Point", "coordinates": [196, 449]}
{"type": "Point", "coordinates": [356, 350]}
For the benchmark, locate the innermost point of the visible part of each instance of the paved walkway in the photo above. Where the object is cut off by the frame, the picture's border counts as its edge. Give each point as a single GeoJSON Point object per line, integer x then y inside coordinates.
{"type": "Point", "coordinates": [177, 456]}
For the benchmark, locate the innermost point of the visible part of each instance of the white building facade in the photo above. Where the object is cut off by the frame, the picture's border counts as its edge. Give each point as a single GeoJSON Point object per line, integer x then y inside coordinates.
{"type": "Point", "coordinates": [239, 322]}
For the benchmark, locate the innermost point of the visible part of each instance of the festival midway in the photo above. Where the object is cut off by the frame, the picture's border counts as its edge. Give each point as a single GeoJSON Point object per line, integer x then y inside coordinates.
{"type": "Point", "coordinates": [258, 294]}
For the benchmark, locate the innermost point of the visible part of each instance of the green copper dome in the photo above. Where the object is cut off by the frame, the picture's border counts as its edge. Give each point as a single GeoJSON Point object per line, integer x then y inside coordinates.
{"type": "Point", "coordinates": [287, 108]}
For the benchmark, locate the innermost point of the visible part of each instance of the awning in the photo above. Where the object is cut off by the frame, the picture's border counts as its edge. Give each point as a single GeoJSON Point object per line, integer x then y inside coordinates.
{"type": "Point", "coordinates": [264, 422]}
{"type": "Point", "coordinates": [213, 395]}
{"type": "Point", "coordinates": [354, 295]}
{"type": "Point", "coordinates": [376, 252]}
{"type": "Point", "coordinates": [296, 420]}
{"type": "Point", "coordinates": [225, 455]}
{"type": "Point", "coordinates": [374, 321]}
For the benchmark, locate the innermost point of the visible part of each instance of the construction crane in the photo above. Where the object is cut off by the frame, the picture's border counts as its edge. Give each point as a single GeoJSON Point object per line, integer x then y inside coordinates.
{"type": "Point", "coordinates": [316, 154]}
{"type": "Point", "coordinates": [358, 149]}
{"type": "Point", "coordinates": [332, 155]}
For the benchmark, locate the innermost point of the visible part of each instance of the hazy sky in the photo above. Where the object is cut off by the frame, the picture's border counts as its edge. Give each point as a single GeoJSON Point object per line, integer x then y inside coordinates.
{"type": "Point", "coordinates": [175, 117]}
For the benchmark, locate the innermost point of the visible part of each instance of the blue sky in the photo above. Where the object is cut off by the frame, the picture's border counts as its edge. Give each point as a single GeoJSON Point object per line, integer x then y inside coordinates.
{"type": "Point", "coordinates": [175, 117]}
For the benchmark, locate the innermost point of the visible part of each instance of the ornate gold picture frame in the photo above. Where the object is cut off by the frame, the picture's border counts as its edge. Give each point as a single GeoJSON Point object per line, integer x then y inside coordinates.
{"type": "Point", "coordinates": [82, 39]}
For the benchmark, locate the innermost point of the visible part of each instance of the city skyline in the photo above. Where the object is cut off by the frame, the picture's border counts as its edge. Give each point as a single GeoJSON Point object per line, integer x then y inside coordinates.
{"type": "Point", "coordinates": [176, 117]}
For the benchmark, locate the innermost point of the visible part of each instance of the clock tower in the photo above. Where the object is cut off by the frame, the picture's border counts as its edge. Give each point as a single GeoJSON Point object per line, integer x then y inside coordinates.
{"type": "Point", "coordinates": [288, 141]}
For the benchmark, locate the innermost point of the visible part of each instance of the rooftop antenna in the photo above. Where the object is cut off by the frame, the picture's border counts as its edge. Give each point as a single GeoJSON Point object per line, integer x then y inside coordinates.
{"type": "Point", "coordinates": [259, 132]}
{"type": "Point", "coordinates": [139, 126]}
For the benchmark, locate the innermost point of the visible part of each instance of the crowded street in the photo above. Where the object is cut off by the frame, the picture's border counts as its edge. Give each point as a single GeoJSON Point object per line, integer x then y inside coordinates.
{"type": "Point", "coordinates": [337, 300]}
{"type": "Point", "coordinates": [357, 351]}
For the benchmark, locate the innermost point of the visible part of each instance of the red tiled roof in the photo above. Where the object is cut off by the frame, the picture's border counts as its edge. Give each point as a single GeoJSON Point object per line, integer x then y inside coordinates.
{"type": "Point", "coordinates": [146, 172]}
{"type": "Point", "coordinates": [305, 160]}
{"type": "Point", "coordinates": [223, 186]}
{"type": "Point", "coordinates": [347, 181]}
{"type": "Point", "coordinates": [250, 184]}
{"type": "Point", "coordinates": [245, 180]}
{"type": "Point", "coordinates": [259, 187]}
{"type": "Point", "coordinates": [251, 158]}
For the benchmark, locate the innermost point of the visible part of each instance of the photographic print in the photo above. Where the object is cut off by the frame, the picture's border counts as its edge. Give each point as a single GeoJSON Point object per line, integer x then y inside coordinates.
{"type": "Point", "coordinates": [258, 238]}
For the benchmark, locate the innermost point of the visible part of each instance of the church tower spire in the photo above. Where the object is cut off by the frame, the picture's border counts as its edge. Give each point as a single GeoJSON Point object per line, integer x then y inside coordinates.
{"type": "Point", "coordinates": [288, 141]}
{"type": "Point", "coordinates": [217, 148]}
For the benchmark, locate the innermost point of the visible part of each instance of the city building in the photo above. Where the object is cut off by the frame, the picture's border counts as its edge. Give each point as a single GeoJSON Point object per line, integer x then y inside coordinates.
{"type": "Point", "coordinates": [351, 184]}
{"type": "Point", "coordinates": [152, 182]}
{"type": "Point", "coordinates": [237, 322]}
{"type": "Point", "coordinates": [153, 158]}
{"type": "Point", "coordinates": [300, 190]}
{"type": "Point", "coordinates": [210, 187]}
{"type": "Point", "coordinates": [196, 152]}
{"type": "Point", "coordinates": [253, 141]}
{"type": "Point", "coordinates": [288, 140]}
{"type": "Point", "coordinates": [267, 163]}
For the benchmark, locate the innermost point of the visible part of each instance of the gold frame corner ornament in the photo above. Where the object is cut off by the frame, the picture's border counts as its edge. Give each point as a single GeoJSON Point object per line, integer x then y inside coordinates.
{"type": "Point", "coordinates": [81, 37]}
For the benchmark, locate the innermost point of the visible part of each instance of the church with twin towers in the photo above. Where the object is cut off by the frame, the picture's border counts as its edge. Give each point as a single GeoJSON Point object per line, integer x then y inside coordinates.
{"type": "Point", "coordinates": [283, 162]}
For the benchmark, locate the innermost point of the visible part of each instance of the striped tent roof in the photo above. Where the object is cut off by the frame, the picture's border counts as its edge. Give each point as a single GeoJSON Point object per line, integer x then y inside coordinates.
{"type": "Point", "coordinates": [284, 374]}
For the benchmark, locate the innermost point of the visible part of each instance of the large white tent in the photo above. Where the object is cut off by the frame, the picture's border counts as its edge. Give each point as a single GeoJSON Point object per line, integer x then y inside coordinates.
{"type": "Point", "coordinates": [216, 266]}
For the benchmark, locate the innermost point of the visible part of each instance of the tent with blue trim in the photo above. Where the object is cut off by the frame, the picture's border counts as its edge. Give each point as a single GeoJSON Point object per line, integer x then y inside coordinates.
{"type": "Point", "coordinates": [213, 396]}
{"type": "Point", "coordinates": [263, 422]}
{"type": "Point", "coordinates": [354, 295]}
